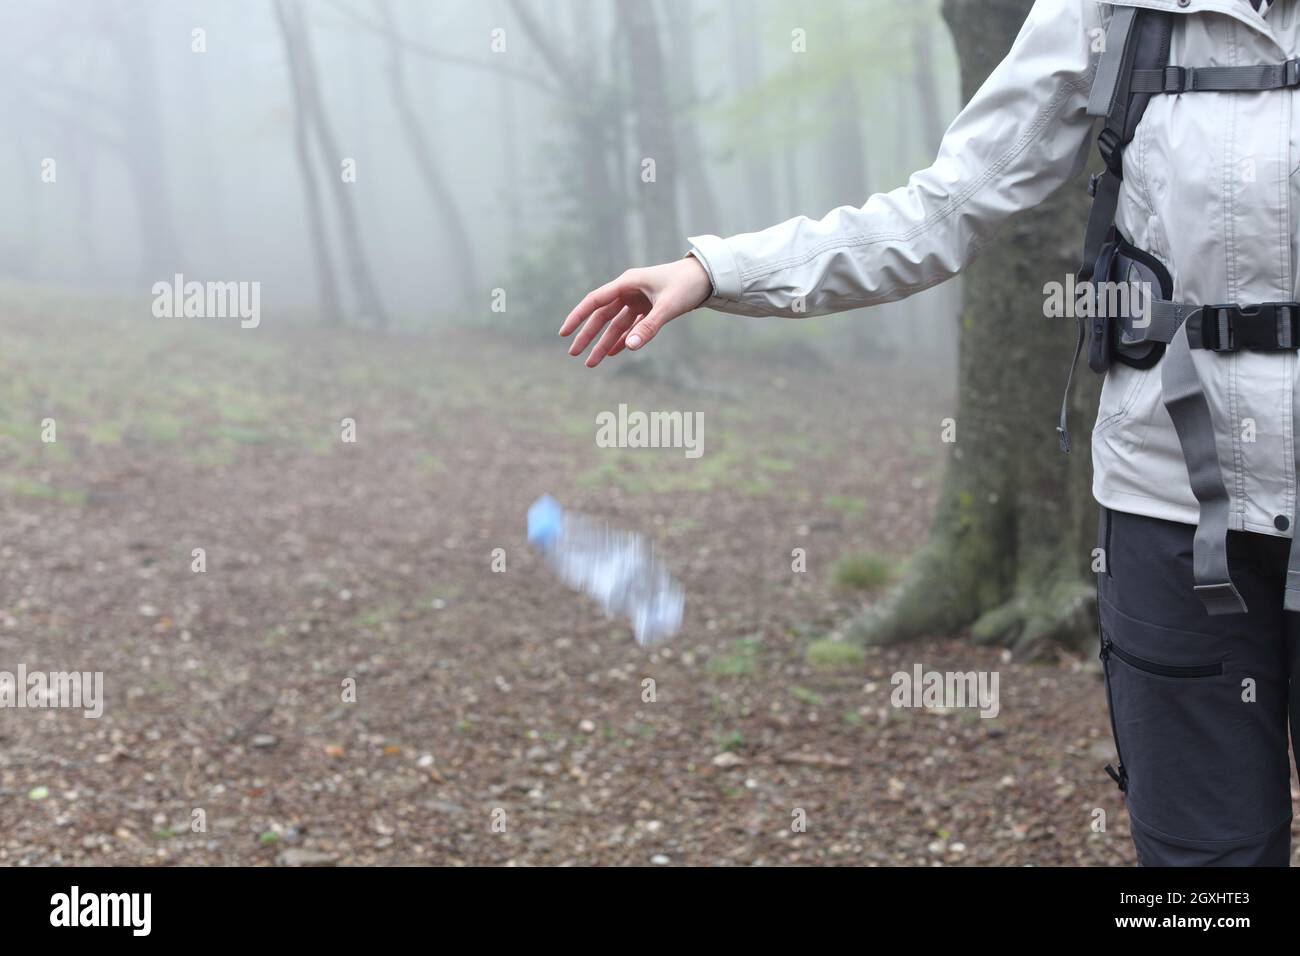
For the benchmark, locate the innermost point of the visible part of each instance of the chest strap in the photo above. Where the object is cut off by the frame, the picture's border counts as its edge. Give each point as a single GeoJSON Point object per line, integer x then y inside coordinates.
{"type": "Point", "coordinates": [1217, 79]}
{"type": "Point", "coordinates": [1266, 327]}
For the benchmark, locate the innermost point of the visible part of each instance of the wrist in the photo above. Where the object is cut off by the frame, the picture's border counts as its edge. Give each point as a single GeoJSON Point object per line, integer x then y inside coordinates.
{"type": "Point", "coordinates": [701, 283]}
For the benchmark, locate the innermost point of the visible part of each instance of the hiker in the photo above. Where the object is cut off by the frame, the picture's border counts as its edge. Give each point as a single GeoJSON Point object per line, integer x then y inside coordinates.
{"type": "Point", "coordinates": [1194, 447]}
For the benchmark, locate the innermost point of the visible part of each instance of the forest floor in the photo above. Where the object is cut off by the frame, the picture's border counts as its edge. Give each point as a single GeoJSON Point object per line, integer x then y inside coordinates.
{"type": "Point", "coordinates": [498, 718]}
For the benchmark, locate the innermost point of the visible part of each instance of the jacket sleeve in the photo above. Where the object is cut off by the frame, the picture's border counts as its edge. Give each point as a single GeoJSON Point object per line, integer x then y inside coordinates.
{"type": "Point", "coordinates": [1024, 133]}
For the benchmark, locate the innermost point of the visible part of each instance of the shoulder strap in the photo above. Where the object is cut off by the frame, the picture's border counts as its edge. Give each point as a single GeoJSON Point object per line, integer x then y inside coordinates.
{"type": "Point", "coordinates": [1136, 39]}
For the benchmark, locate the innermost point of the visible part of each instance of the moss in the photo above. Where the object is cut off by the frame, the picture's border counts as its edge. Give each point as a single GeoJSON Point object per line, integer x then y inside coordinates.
{"type": "Point", "coordinates": [832, 654]}
{"type": "Point", "coordinates": [864, 572]}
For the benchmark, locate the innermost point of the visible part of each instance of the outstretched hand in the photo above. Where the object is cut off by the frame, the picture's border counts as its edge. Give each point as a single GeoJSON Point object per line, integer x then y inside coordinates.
{"type": "Point", "coordinates": [635, 306]}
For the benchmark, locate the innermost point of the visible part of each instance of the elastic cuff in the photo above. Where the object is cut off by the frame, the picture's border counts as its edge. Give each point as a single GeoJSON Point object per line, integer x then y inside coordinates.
{"type": "Point", "coordinates": [720, 263]}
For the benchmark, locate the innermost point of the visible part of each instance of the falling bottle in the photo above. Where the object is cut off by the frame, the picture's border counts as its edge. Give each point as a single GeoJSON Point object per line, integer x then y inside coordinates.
{"type": "Point", "coordinates": [618, 569]}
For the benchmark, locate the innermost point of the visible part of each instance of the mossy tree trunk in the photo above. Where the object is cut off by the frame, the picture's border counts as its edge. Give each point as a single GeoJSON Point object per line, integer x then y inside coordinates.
{"type": "Point", "coordinates": [1009, 552]}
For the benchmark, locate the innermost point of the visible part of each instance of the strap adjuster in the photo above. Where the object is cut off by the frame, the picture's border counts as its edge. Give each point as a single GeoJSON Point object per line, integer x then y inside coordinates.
{"type": "Point", "coordinates": [1215, 328]}
{"type": "Point", "coordinates": [1220, 598]}
{"type": "Point", "coordinates": [1293, 72]}
{"type": "Point", "coordinates": [1175, 79]}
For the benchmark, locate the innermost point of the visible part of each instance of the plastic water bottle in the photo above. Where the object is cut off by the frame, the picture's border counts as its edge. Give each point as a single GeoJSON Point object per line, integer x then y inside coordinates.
{"type": "Point", "coordinates": [618, 569]}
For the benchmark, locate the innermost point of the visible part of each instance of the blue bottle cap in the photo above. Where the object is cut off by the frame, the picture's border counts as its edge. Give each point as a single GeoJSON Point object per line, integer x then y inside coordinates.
{"type": "Point", "coordinates": [545, 520]}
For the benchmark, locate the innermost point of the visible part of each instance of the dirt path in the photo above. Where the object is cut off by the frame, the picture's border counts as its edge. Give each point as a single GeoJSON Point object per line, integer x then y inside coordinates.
{"type": "Point", "coordinates": [484, 697]}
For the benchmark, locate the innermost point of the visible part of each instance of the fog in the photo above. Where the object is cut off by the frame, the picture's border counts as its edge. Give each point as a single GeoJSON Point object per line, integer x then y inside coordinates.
{"type": "Point", "coordinates": [361, 559]}
{"type": "Point", "coordinates": [459, 153]}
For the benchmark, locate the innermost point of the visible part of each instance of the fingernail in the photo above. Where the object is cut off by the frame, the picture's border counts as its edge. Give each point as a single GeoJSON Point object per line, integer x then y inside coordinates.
{"type": "Point", "coordinates": [634, 341]}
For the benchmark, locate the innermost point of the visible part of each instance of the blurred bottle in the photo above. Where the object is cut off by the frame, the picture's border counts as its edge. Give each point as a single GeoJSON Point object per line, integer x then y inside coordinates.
{"type": "Point", "coordinates": [618, 569]}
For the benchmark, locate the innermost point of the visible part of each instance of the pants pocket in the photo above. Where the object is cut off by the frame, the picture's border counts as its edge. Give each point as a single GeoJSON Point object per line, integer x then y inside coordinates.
{"type": "Point", "coordinates": [1186, 671]}
{"type": "Point", "coordinates": [1201, 763]}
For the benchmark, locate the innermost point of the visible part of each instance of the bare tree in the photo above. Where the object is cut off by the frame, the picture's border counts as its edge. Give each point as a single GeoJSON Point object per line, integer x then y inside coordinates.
{"type": "Point", "coordinates": [459, 242]}
{"type": "Point", "coordinates": [144, 155]}
{"type": "Point", "coordinates": [655, 136]}
{"type": "Point", "coordinates": [697, 189]}
{"type": "Point", "coordinates": [844, 150]}
{"type": "Point", "coordinates": [605, 240]}
{"type": "Point", "coordinates": [354, 253]}
{"type": "Point", "coordinates": [747, 68]}
{"type": "Point", "coordinates": [326, 286]}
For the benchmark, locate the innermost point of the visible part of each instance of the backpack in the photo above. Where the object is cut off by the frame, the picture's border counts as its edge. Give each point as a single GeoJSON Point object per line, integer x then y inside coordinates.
{"type": "Point", "coordinates": [1134, 67]}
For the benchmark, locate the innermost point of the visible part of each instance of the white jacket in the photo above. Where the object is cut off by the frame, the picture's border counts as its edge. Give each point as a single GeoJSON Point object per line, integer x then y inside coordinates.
{"type": "Point", "coordinates": [1210, 188]}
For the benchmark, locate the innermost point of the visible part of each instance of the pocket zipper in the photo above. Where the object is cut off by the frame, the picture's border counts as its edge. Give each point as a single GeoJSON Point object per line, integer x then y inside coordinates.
{"type": "Point", "coordinates": [1162, 670]}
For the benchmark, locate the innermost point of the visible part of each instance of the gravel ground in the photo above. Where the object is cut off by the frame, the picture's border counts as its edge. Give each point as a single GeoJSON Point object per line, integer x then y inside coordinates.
{"type": "Point", "coordinates": [350, 682]}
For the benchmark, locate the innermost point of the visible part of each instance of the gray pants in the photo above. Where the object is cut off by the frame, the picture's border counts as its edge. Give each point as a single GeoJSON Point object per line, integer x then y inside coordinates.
{"type": "Point", "coordinates": [1199, 705]}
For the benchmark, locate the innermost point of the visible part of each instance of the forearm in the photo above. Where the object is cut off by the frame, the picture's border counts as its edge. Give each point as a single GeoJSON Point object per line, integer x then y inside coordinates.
{"type": "Point", "coordinates": [1023, 134]}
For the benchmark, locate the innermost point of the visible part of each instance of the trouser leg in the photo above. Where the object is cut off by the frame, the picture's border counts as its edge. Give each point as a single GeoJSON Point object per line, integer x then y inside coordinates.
{"type": "Point", "coordinates": [1198, 703]}
{"type": "Point", "coordinates": [1293, 650]}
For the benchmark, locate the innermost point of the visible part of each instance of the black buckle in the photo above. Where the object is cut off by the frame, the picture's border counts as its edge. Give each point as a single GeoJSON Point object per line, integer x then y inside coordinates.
{"type": "Point", "coordinates": [1266, 327]}
{"type": "Point", "coordinates": [1293, 72]}
{"type": "Point", "coordinates": [1108, 146]}
{"type": "Point", "coordinates": [1175, 79]}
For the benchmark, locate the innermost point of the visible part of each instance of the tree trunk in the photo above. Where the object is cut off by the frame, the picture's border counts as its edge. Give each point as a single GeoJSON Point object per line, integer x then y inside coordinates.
{"type": "Point", "coordinates": [327, 291]}
{"type": "Point", "coordinates": [927, 94]}
{"type": "Point", "coordinates": [655, 138]}
{"type": "Point", "coordinates": [845, 144]}
{"type": "Point", "coordinates": [144, 144]}
{"type": "Point", "coordinates": [1009, 550]}
{"type": "Point", "coordinates": [460, 245]}
{"type": "Point", "coordinates": [511, 193]}
{"type": "Point", "coordinates": [673, 359]}
{"type": "Point", "coordinates": [846, 179]}
{"type": "Point", "coordinates": [602, 209]}
{"type": "Point", "coordinates": [936, 309]}
{"type": "Point", "coordinates": [355, 257]}
{"type": "Point", "coordinates": [697, 188]}
{"type": "Point", "coordinates": [747, 67]}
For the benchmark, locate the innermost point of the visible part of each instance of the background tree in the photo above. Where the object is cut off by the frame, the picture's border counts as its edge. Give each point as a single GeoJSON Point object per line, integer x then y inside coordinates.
{"type": "Point", "coordinates": [1009, 549]}
{"type": "Point", "coordinates": [355, 257]}
{"type": "Point", "coordinates": [459, 240]}
{"type": "Point", "coordinates": [327, 290]}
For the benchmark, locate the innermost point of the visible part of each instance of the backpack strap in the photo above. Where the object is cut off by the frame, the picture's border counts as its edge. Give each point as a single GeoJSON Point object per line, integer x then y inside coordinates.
{"type": "Point", "coordinates": [1136, 39]}
{"type": "Point", "coordinates": [1291, 597]}
{"type": "Point", "coordinates": [1218, 79]}
{"type": "Point", "coordinates": [1134, 67]}
{"type": "Point", "coordinates": [1136, 52]}
{"type": "Point", "coordinates": [1184, 399]}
